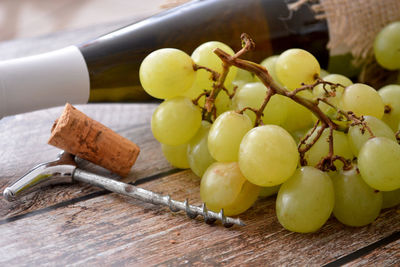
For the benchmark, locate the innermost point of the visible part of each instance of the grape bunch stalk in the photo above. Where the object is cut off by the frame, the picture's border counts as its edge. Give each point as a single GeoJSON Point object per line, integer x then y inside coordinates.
{"type": "Point", "coordinates": [250, 130]}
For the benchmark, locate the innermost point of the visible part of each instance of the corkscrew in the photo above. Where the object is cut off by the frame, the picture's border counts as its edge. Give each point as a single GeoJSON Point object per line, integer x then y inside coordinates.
{"type": "Point", "coordinates": [65, 170]}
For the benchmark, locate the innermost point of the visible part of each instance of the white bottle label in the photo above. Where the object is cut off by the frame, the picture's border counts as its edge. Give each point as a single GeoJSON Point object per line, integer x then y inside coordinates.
{"type": "Point", "coordinates": [43, 81]}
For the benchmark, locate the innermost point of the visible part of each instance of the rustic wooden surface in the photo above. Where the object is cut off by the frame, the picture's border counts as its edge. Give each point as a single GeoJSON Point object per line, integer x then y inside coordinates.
{"type": "Point", "coordinates": [82, 225]}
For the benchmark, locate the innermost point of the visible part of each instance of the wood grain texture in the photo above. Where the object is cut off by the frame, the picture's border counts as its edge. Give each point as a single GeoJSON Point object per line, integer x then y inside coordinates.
{"type": "Point", "coordinates": [385, 256]}
{"type": "Point", "coordinates": [82, 225]}
{"type": "Point", "coordinates": [23, 145]}
{"type": "Point", "coordinates": [112, 229]}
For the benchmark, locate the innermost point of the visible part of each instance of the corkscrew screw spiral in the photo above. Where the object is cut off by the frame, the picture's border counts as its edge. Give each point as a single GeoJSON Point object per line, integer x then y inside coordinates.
{"type": "Point", "coordinates": [151, 197]}
{"type": "Point", "coordinates": [65, 169]}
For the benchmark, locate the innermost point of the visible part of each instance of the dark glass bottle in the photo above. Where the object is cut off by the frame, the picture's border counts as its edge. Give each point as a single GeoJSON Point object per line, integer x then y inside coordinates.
{"type": "Point", "coordinates": [113, 60]}
{"type": "Point", "coordinates": [106, 69]}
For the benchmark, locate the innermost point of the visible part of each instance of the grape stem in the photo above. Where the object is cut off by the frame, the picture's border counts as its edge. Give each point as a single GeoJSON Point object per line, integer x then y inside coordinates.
{"type": "Point", "coordinates": [333, 87]}
{"type": "Point", "coordinates": [197, 99]}
{"type": "Point", "coordinates": [325, 100]}
{"type": "Point", "coordinates": [350, 116]}
{"type": "Point", "coordinates": [327, 163]}
{"type": "Point", "coordinates": [217, 87]}
{"type": "Point", "coordinates": [260, 111]}
{"type": "Point", "coordinates": [227, 92]}
{"type": "Point", "coordinates": [209, 111]}
{"type": "Point", "coordinates": [274, 88]}
{"type": "Point", "coordinates": [310, 87]}
{"type": "Point", "coordinates": [303, 146]}
{"type": "Point", "coordinates": [324, 122]}
{"type": "Point", "coordinates": [214, 74]}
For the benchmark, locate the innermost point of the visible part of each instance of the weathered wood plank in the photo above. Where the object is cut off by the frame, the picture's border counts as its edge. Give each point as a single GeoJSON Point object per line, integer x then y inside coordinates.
{"type": "Point", "coordinates": [386, 255]}
{"type": "Point", "coordinates": [112, 229]}
{"type": "Point", "coordinates": [23, 145]}
{"type": "Point", "coordinates": [23, 138]}
{"type": "Point", "coordinates": [92, 227]}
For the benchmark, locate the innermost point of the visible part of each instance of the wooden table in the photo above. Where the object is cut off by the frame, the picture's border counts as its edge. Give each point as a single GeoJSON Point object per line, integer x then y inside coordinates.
{"type": "Point", "coordinates": [83, 225]}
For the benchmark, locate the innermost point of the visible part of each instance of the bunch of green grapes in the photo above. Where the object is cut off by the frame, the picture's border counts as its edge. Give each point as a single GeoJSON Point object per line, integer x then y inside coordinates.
{"type": "Point", "coordinates": [242, 152]}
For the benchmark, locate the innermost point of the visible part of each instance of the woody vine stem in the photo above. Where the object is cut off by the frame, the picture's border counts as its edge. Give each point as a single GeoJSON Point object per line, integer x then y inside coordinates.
{"type": "Point", "coordinates": [323, 122]}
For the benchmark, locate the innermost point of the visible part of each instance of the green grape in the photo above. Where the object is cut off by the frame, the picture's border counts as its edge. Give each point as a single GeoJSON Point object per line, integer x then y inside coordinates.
{"type": "Point", "coordinates": [269, 64]}
{"type": "Point", "coordinates": [306, 94]}
{"type": "Point", "coordinates": [390, 198]}
{"type": "Point", "coordinates": [336, 79]}
{"type": "Point", "coordinates": [356, 204]}
{"type": "Point", "coordinates": [276, 110]}
{"type": "Point", "coordinates": [390, 95]}
{"type": "Point", "coordinates": [204, 56]}
{"type": "Point", "coordinates": [362, 100]}
{"type": "Point", "coordinates": [176, 155]}
{"type": "Point", "coordinates": [223, 186]}
{"type": "Point", "coordinates": [253, 95]}
{"type": "Point", "coordinates": [299, 134]}
{"type": "Point", "coordinates": [268, 155]}
{"type": "Point", "coordinates": [222, 102]}
{"type": "Point", "coordinates": [197, 154]}
{"type": "Point", "coordinates": [296, 66]}
{"type": "Point", "coordinates": [298, 117]}
{"type": "Point", "coordinates": [357, 137]}
{"type": "Point", "coordinates": [195, 92]}
{"type": "Point", "coordinates": [332, 173]}
{"type": "Point", "coordinates": [334, 100]}
{"type": "Point", "coordinates": [321, 148]}
{"type": "Point", "coordinates": [239, 84]}
{"type": "Point", "coordinates": [244, 75]}
{"type": "Point", "coordinates": [378, 162]}
{"type": "Point", "coordinates": [305, 201]}
{"type": "Point", "coordinates": [323, 73]}
{"type": "Point", "coordinates": [269, 191]}
{"type": "Point", "coordinates": [167, 73]}
{"type": "Point", "coordinates": [226, 134]}
{"type": "Point", "coordinates": [175, 121]}
{"type": "Point", "coordinates": [387, 46]}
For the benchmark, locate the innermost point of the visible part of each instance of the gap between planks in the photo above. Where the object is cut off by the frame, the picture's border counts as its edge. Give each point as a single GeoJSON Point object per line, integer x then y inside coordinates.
{"type": "Point", "coordinates": [86, 197]}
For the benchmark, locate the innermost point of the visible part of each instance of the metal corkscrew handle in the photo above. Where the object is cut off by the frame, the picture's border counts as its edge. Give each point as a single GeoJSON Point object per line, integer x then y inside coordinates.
{"type": "Point", "coordinates": [64, 169]}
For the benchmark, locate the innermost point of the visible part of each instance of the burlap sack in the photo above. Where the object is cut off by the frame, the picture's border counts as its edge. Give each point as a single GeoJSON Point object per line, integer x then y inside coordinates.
{"type": "Point", "coordinates": [353, 24]}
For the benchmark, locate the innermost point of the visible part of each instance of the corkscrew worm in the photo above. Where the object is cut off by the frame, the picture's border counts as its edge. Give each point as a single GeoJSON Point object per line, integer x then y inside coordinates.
{"type": "Point", "coordinates": [65, 170]}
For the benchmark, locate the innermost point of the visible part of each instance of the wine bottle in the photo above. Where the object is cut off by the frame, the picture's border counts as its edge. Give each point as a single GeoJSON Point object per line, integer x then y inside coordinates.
{"type": "Point", "coordinates": [106, 69]}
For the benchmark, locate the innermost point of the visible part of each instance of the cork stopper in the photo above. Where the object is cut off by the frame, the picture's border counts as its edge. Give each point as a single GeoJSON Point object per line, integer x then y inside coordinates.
{"type": "Point", "coordinates": [88, 139]}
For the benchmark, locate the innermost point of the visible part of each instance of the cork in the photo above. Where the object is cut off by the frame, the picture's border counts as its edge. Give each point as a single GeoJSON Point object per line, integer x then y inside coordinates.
{"type": "Point", "coordinates": [88, 139]}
